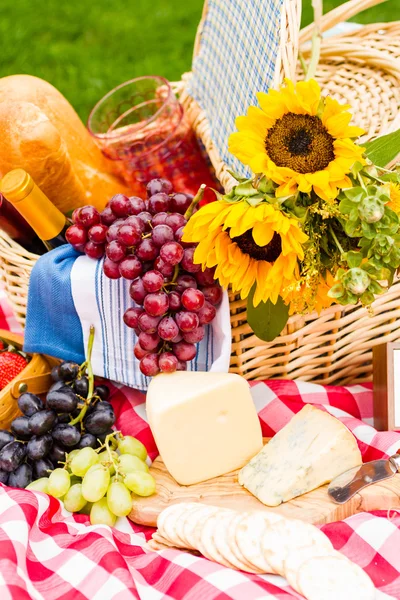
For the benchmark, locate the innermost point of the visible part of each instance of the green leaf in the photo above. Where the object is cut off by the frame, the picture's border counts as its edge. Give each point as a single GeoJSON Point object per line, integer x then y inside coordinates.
{"type": "Point", "coordinates": [356, 168]}
{"type": "Point", "coordinates": [367, 298]}
{"type": "Point", "coordinates": [376, 271]}
{"type": "Point", "coordinates": [255, 200]}
{"type": "Point", "coordinates": [368, 230]}
{"type": "Point", "coordinates": [236, 175]}
{"type": "Point", "coordinates": [384, 149]}
{"type": "Point", "coordinates": [353, 259]}
{"type": "Point", "coordinates": [346, 206]}
{"type": "Point", "coordinates": [355, 194]}
{"type": "Point", "coordinates": [390, 177]}
{"type": "Point", "coordinates": [336, 291]}
{"type": "Point", "coordinates": [352, 229]}
{"type": "Point", "coordinates": [376, 288]}
{"type": "Point", "coordinates": [266, 186]}
{"type": "Point", "coordinates": [245, 189]}
{"type": "Point", "coordinates": [266, 320]}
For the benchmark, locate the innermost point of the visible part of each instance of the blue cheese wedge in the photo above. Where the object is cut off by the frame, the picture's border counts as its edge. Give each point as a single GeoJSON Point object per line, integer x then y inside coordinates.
{"type": "Point", "coordinates": [310, 451]}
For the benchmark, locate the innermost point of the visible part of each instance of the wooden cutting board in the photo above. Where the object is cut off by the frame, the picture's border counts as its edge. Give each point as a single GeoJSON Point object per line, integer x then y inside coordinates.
{"type": "Point", "coordinates": [225, 491]}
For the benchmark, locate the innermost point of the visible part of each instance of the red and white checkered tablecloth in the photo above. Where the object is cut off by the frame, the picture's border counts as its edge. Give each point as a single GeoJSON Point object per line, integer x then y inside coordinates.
{"type": "Point", "coordinates": [47, 553]}
{"type": "Point", "coordinates": [7, 318]}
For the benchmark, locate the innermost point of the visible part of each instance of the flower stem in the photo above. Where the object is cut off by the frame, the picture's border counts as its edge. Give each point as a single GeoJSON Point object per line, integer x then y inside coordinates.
{"type": "Point", "coordinates": [88, 363]}
{"type": "Point", "coordinates": [195, 201]}
{"type": "Point", "coordinates": [362, 183]}
{"type": "Point", "coordinates": [336, 240]}
{"type": "Point", "coordinates": [316, 40]}
{"type": "Point", "coordinates": [303, 63]}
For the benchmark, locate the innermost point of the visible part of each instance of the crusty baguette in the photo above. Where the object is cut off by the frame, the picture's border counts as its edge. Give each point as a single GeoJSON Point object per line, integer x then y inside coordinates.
{"type": "Point", "coordinates": [41, 132]}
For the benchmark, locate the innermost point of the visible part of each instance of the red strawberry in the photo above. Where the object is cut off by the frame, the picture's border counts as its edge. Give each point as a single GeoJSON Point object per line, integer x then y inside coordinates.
{"type": "Point", "coordinates": [11, 364]}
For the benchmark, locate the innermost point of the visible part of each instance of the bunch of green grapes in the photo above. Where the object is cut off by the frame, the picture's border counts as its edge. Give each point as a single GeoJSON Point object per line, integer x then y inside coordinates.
{"type": "Point", "coordinates": [100, 482]}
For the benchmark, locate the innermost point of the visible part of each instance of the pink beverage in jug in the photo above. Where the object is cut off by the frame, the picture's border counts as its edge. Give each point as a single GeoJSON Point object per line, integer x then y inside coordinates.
{"type": "Point", "coordinates": [141, 127]}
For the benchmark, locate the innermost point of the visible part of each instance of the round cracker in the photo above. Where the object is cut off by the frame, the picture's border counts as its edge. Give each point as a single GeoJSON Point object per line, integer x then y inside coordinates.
{"type": "Point", "coordinates": [191, 527]}
{"type": "Point", "coordinates": [168, 528]}
{"type": "Point", "coordinates": [220, 539]}
{"type": "Point", "coordinates": [164, 514]}
{"type": "Point", "coordinates": [202, 518]}
{"type": "Point", "coordinates": [158, 546]}
{"type": "Point", "coordinates": [207, 539]}
{"type": "Point", "coordinates": [180, 525]}
{"type": "Point", "coordinates": [334, 578]}
{"type": "Point", "coordinates": [250, 530]}
{"type": "Point", "coordinates": [161, 539]}
{"type": "Point", "coordinates": [298, 556]}
{"type": "Point", "coordinates": [285, 535]}
{"type": "Point", "coordinates": [167, 519]}
{"type": "Point", "coordinates": [234, 545]}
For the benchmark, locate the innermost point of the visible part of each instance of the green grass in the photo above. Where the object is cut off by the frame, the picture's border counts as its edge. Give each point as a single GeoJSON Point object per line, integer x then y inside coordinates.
{"type": "Point", "coordinates": [86, 47]}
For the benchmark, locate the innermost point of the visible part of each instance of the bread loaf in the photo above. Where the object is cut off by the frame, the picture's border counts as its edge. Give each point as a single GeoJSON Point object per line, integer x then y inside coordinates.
{"type": "Point", "coordinates": [41, 132]}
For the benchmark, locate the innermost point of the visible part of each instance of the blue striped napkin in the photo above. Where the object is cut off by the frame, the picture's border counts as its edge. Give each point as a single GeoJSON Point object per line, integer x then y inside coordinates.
{"type": "Point", "coordinates": [68, 292]}
{"type": "Point", "coordinates": [238, 50]}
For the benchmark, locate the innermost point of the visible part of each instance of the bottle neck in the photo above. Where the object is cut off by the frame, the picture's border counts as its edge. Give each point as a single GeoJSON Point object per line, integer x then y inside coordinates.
{"type": "Point", "coordinates": [58, 240]}
{"type": "Point", "coordinates": [33, 205]}
{"type": "Point", "coordinates": [17, 228]}
{"type": "Point", "coordinates": [41, 214]}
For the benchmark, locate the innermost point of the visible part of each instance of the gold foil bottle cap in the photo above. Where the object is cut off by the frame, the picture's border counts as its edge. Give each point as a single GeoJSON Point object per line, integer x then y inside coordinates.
{"type": "Point", "coordinates": [35, 207]}
{"type": "Point", "coordinates": [16, 185]}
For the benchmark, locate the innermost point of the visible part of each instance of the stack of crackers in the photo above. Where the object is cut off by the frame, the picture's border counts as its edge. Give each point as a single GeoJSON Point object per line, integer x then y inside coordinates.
{"type": "Point", "coordinates": [264, 542]}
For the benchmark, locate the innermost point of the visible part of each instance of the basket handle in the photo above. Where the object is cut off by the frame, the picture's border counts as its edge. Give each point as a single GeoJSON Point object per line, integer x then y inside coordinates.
{"type": "Point", "coordinates": [196, 47]}
{"type": "Point", "coordinates": [337, 15]}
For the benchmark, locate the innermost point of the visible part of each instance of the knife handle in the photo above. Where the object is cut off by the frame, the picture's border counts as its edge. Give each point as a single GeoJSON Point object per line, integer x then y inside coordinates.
{"type": "Point", "coordinates": [395, 460]}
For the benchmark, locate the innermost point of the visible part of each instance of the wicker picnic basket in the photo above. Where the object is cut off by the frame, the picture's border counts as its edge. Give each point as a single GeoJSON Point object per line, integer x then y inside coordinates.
{"type": "Point", "coordinates": [362, 68]}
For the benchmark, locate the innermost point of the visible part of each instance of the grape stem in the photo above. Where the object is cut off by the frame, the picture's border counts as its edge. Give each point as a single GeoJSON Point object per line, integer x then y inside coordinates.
{"type": "Point", "coordinates": [198, 197]}
{"type": "Point", "coordinates": [109, 438]}
{"type": "Point", "coordinates": [90, 374]}
{"type": "Point", "coordinates": [176, 273]}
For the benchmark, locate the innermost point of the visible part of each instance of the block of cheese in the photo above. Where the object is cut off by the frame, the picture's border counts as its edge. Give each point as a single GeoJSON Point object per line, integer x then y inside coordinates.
{"type": "Point", "coordinates": [204, 424]}
{"type": "Point", "coordinates": [311, 450]}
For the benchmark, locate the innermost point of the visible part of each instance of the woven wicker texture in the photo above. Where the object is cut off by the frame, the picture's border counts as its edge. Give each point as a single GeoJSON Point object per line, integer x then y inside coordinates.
{"type": "Point", "coordinates": [363, 69]}
{"type": "Point", "coordinates": [333, 347]}
{"type": "Point", "coordinates": [15, 268]}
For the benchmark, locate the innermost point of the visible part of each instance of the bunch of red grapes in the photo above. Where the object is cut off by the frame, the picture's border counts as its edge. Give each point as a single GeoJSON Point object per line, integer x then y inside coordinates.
{"type": "Point", "coordinates": [142, 242]}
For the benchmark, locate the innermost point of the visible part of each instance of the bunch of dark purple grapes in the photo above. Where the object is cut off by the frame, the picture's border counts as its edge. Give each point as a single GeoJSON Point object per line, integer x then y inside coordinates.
{"type": "Point", "coordinates": [68, 420]}
{"type": "Point", "coordinates": [142, 242]}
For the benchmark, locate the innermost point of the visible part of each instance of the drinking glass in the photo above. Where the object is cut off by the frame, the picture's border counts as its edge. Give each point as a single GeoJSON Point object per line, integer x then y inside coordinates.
{"type": "Point", "coordinates": [141, 127]}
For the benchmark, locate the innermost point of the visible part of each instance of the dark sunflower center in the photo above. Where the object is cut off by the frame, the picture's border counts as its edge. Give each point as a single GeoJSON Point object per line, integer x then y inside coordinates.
{"type": "Point", "coordinates": [300, 142]}
{"type": "Point", "coordinates": [270, 252]}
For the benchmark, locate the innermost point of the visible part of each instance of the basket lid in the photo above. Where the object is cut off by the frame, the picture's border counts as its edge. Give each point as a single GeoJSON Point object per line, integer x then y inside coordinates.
{"type": "Point", "coordinates": [235, 56]}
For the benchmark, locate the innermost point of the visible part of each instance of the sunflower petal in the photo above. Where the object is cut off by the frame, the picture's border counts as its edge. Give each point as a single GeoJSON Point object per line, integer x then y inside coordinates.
{"type": "Point", "coordinates": [263, 233]}
{"type": "Point", "coordinates": [309, 95]}
{"type": "Point", "coordinates": [245, 144]}
{"type": "Point", "coordinates": [256, 120]}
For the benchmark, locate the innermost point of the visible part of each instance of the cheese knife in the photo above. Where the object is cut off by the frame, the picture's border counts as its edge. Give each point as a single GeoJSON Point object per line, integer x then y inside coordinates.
{"type": "Point", "coordinates": [346, 485]}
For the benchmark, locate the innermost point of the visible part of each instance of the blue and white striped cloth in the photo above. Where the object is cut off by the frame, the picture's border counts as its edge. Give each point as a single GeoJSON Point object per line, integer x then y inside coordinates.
{"type": "Point", "coordinates": [238, 49]}
{"type": "Point", "coordinates": [68, 292]}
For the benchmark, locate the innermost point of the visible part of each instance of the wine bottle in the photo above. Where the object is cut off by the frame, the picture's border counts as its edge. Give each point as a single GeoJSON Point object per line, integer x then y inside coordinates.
{"type": "Point", "coordinates": [18, 229]}
{"type": "Point", "coordinates": [34, 206]}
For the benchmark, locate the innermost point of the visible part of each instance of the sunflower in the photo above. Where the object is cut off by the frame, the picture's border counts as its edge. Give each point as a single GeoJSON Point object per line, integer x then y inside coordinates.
{"type": "Point", "coordinates": [299, 140]}
{"type": "Point", "coordinates": [247, 245]}
{"type": "Point", "coordinates": [394, 203]}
